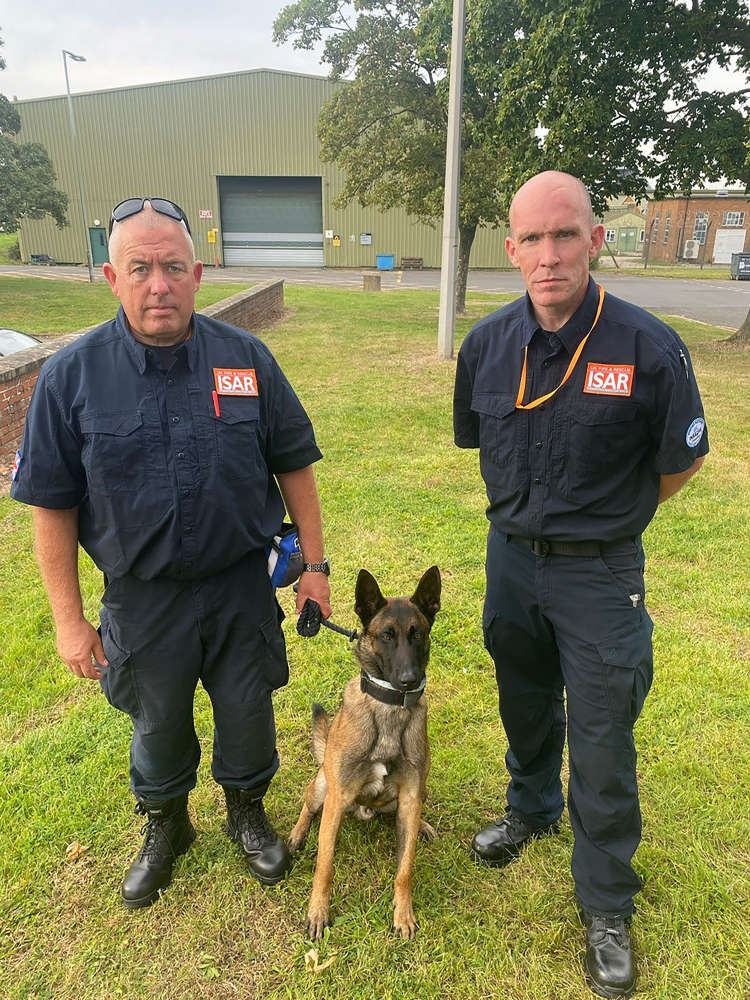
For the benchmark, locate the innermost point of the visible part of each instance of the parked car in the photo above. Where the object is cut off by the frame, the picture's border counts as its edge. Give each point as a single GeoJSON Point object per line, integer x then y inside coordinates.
{"type": "Point", "coordinates": [12, 341]}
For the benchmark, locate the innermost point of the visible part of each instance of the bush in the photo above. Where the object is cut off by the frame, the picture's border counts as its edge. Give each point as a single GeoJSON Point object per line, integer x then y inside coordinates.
{"type": "Point", "coordinates": [14, 251]}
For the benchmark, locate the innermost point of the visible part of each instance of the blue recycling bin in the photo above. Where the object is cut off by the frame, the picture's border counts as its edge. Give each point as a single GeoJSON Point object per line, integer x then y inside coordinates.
{"type": "Point", "coordinates": [385, 261]}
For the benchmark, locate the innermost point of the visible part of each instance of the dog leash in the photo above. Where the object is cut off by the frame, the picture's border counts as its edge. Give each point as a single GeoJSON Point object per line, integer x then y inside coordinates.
{"type": "Point", "coordinates": [311, 618]}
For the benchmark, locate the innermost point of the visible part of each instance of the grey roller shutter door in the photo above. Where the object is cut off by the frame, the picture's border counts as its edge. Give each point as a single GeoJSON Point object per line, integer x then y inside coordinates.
{"type": "Point", "coordinates": [272, 221]}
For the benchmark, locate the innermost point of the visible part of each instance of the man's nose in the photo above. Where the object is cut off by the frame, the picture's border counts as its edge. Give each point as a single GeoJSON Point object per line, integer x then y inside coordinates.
{"type": "Point", "coordinates": [549, 255]}
{"type": "Point", "coordinates": [159, 283]}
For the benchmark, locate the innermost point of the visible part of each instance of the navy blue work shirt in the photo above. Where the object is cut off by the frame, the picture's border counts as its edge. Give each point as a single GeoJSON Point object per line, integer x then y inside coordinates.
{"type": "Point", "coordinates": [586, 464]}
{"type": "Point", "coordinates": [164, 485]}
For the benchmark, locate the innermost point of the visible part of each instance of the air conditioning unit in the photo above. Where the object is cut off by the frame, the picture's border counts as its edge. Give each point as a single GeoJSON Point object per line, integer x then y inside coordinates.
{"type": "Point", "coordinates": [690, 251]}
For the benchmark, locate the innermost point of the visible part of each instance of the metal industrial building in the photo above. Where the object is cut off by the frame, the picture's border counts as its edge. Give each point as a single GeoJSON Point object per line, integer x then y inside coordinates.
{"type": "Point", "coordinates": [239, 152]}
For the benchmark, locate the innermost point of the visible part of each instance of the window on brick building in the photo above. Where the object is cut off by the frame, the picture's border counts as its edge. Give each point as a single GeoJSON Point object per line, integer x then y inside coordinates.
{"type": "Point", "coordinates": [734, 219]}
{"type": "Point", "coordinates": [667, 226]}
{"type": "Point", "coordinates": [700, 228]}
{"type": "Point", "coordinates": [655, 229]}
{"type": "Point", "coordinates": [642, 236]}
{"type": "Point", "coordinates": [611, 235]}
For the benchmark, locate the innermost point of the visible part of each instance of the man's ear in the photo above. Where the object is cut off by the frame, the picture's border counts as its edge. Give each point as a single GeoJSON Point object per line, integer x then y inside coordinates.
{"type": "Point", "coordinates": [111, 275]}
{"type": "Point", "coordinates": [367, 597]}
{"type": "Point", "coordinates": [427, 595]}
{"type": "Point", "coordinates": [197, 273]}
{"type": "Point", "coordinates": [510, 249]}
{"type": "Point", "coordinates": [597, 240]}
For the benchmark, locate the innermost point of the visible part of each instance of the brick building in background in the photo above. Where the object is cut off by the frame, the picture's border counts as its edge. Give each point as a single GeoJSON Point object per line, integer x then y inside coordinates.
{"type": "Point", "coordinates": [706, 227]}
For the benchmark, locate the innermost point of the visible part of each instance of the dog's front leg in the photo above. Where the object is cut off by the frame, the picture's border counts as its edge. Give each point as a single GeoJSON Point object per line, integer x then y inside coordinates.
{"type": "Point", "coordinates": [334, 808]}
{"type": "Point", "coordinates": [408, 820]}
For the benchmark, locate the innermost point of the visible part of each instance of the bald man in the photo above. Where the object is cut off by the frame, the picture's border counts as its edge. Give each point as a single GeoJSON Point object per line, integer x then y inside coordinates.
{"type": "Point", "coordinates": [586, 414]}
{"type": "Point", "coordinates": [162, 443]}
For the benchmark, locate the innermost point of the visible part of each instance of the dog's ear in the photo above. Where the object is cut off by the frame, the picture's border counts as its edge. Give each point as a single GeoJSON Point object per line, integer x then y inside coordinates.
{"type": "Point", "coordinates": [367, 597]}
{"type": "Point", "coordinates": [427, 595]}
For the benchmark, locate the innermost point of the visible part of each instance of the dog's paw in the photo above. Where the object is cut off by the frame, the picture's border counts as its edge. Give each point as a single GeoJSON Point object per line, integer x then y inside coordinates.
{"type": "Point", "coordinates": [404, 921]}
{"type": "Point", "coordinates": [427, 832]}
{"type": "Point", "coordinates": [363, 812]}
{"type": "Point", "coordinates": [294, 843]}
{"type": "Point", "coordinates": [316, 922]}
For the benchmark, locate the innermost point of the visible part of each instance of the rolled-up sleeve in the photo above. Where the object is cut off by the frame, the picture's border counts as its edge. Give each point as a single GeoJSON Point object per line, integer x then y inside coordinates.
{"type": "Point", "coordinates": [679, 431]}
{"type": "Point", "coordinates": [291, 441]}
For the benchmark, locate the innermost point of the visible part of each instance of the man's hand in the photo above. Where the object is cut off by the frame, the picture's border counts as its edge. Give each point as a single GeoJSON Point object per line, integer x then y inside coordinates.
{"type": "Point", "coordinates": [77, 642]}
{"type": "Point", "coordinates": [316, 587]}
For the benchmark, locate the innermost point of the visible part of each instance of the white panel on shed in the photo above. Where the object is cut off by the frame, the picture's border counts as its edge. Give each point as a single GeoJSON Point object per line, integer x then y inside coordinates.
{"type": "Point", "coordinates": [727, 242]}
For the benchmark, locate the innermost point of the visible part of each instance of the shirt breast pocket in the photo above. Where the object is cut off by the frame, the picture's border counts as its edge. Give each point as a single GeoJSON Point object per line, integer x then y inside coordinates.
{"type": "Point", "coordinates": [237, 433]}
{"type": "Point", "coordinates": [601, 441]}
{"type": "Point", "coordinates": [498, 427]}
{"type": "Point", "coordinates": [115, 451]}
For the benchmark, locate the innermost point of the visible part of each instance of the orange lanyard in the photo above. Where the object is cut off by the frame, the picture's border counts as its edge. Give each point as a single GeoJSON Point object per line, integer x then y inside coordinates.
{"type": "Point", "coordinates": [573, 362]}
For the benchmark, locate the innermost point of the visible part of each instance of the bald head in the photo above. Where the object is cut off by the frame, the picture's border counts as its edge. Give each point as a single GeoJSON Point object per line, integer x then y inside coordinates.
{"type": "Point", "coordinates": [146, 222]}
{"type": "Point", "coordinates": [544, 186]}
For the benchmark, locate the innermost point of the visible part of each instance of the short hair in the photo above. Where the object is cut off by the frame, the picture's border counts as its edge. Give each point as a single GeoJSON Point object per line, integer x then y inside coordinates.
{"type": "Point", "coordinates": [154, 218]}
{"type": "Point", "coordinates": [582, 189]}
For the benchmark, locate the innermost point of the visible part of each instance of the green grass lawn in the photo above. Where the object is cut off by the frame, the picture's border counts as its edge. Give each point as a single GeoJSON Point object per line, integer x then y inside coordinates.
{"type": "Point", "coordinates": [54, 305]}
{"type": "Point", "coordinates": [717, 272]}
{"type": "Point", "coordinates": [397, 497]}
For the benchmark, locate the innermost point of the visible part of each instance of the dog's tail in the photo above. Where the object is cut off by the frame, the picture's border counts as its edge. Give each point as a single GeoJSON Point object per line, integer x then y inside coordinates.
{"type": "Point", "coordinates": [320, 724]}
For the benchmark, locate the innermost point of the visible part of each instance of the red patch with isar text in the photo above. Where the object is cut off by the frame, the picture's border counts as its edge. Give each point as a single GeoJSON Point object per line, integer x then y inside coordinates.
{"type": "Point", "coordinates": [236, 381]}
{"type": "Point", "coordinates": [609, 380]}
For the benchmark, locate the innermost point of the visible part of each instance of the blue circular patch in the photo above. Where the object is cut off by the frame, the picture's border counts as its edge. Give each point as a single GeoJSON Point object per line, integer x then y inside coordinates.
{"type": "Point", "coordinates": [695, 432]}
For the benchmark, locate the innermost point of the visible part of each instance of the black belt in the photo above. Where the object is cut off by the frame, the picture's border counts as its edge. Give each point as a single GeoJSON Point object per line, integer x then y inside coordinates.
{"type": "Point", "coordinates": [542, 547]}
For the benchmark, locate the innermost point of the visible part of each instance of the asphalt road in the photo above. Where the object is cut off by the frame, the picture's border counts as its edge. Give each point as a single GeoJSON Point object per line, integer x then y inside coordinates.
{"type": "Point", "coordinates": [722, 303]}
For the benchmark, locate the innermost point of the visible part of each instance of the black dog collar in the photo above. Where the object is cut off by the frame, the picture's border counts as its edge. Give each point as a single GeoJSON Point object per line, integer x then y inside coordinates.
{"type": "Point", "coordinates": [383, 691]}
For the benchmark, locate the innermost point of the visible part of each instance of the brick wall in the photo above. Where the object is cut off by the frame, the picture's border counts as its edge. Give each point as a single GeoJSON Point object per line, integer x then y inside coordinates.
{"type": "Point", "coordinates": [250, 310]}
{"type": "Point", "coordinates": [681, 213]}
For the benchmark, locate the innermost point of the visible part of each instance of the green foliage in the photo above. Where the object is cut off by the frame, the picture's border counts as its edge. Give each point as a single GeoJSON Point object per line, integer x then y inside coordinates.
{"type": "Point", "coordinates": [27, 178]}
{"type": "Point", "coordinates": [607, 91]}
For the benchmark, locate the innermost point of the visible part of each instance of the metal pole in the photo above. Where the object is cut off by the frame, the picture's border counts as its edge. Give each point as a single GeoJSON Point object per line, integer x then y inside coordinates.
{"type": "Point", "coordinates": [449, 262]}
{"type": "Point", "coordinates": [87, 241]}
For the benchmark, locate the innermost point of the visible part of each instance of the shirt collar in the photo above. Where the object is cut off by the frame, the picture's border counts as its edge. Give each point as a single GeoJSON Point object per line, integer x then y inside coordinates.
{"type": "Point", "coordinates": [574, 330]}
{"type": "Point", "coordinates": [138, 350]}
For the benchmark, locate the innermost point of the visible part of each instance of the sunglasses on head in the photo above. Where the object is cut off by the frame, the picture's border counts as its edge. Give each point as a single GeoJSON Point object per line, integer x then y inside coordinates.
{"type": "Point", "coordinates": [132, 206]}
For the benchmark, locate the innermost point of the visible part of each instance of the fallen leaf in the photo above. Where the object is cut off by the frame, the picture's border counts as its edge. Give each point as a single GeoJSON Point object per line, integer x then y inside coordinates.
{"type": "Point", "coordinates": [313, 965]}
{"type": "Point", "coordinates": [74, 851]}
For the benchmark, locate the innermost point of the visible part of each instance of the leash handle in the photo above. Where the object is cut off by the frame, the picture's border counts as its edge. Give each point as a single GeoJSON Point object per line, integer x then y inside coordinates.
{"type": "Point", "coordinates": [311, 618]}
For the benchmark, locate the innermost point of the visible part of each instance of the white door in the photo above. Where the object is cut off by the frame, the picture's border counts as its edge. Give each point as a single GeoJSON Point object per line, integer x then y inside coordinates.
{"type": "Point", "coordinates": [727, 242]}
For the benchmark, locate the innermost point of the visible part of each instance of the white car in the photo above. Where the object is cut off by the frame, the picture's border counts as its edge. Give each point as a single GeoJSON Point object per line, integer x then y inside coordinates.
{"type": "Point", "coordinates": [12, 341]}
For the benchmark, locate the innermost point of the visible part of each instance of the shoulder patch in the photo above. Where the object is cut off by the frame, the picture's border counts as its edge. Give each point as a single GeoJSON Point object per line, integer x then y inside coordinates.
{"type": "Point", "coordinates": [695, 432]}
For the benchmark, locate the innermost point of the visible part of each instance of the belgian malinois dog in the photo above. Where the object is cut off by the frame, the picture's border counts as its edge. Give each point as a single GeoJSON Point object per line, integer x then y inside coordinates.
{"type": "Point", "coordinates": [374, 756]}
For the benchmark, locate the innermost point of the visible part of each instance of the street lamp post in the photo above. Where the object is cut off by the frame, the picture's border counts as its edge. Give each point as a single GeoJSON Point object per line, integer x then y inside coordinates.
{"type": "Point", "coordinates": [87, 241]}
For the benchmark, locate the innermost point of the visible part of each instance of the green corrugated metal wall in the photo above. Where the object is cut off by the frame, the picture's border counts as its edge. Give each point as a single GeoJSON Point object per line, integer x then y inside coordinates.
{"type": "Point", "coordinates": [174, 139]}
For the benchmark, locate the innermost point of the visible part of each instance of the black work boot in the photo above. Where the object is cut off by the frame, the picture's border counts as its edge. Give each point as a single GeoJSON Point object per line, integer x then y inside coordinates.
{"type": "Point", "coordinates": [247, 825]}
{"type": "Point", "coordinates": [168, 833]}
{"type": "Point", "coordinates": [502, 841]}
{"type": "Point", "coordinates": [610, 968]}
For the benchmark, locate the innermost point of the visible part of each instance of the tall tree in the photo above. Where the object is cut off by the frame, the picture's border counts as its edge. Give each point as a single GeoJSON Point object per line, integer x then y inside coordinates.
{"type": "Point", "coordinates": [27, 179]}
{"type": "Point", "coordinates": [608, 91]}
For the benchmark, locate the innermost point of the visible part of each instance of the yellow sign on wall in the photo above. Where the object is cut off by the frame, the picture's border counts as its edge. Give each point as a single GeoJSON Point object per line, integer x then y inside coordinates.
{"type": "Point", "coordinates": [212, 235]}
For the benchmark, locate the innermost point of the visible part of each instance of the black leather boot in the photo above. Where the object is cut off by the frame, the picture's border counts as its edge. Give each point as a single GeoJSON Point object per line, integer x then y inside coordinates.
{"type": "Point", "coordinates": [610, 968]}
{"type": "Point", "coordinates": [168, 833]}
{"type": "Point", "coordinates": [502, 841]}
{"type": "Point", "coordinates": [247, 825]}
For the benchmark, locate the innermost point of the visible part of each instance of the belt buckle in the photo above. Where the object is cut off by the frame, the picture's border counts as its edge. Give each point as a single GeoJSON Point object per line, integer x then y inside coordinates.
{"type": "Point", "coordinates": [539, 547]}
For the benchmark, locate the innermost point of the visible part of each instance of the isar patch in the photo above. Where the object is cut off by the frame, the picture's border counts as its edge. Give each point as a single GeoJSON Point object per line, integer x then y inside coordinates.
{"type": "Point", "coordinates": [609, 380]}
{"type": "Point", "coordinates": [236, 381]}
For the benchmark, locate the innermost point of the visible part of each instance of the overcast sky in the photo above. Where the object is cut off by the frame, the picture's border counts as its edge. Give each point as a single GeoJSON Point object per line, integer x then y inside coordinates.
{"type": "Point", "coordinates": [164, 40]}
{"type": "Point", "coordinates": [126, 44]}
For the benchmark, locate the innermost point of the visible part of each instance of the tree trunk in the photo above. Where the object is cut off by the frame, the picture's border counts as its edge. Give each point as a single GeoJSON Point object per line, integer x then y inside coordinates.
{"type": "Point", "coordinates": [742, 336]}
{"type": "Point", "coordinates": [465, 240]}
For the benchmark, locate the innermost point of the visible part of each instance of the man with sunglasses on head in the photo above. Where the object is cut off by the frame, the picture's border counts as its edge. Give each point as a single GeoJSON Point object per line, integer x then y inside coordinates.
{"type": "Point", "coordinates": [163, 443]}
{"type": "Point", "coordinates": [587, 416]}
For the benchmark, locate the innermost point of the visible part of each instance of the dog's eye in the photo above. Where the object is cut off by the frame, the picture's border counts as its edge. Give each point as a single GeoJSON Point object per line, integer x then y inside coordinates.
{"type": "Point", "coordinates": [388, 635]}
{"type": "Point", "coordinates": [416, 635]}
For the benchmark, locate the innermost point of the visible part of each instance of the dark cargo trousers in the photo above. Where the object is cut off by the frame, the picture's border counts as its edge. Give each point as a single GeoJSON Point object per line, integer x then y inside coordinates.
{"type": "Point", "coordinates": [163, 636]}
{"type": "Point", "coordinates": [574, 626]}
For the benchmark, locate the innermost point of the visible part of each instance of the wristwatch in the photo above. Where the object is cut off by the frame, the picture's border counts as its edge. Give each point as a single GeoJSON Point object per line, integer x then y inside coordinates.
{"type": "Point", "coordinates": [321, 567]}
